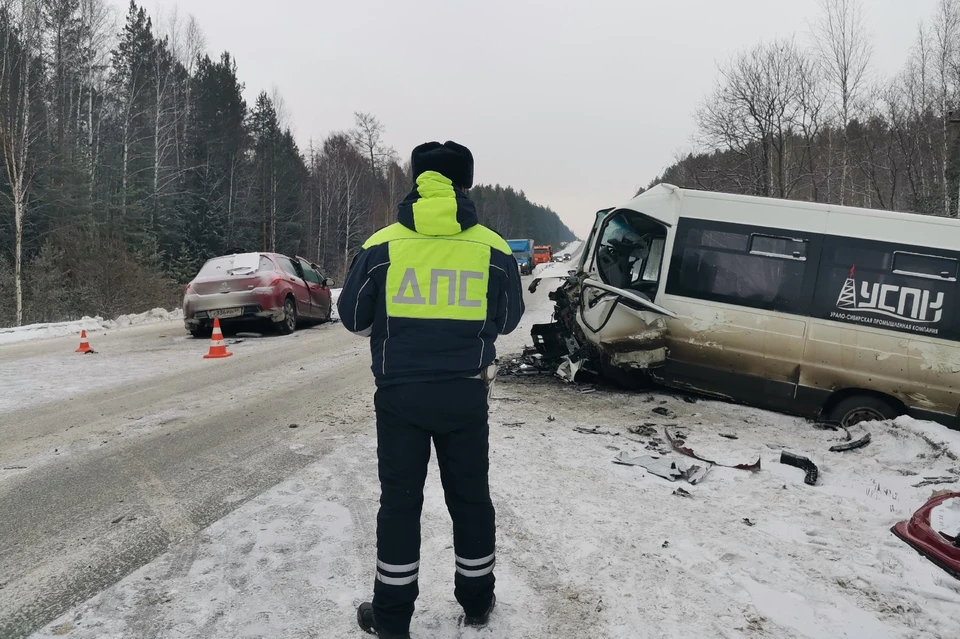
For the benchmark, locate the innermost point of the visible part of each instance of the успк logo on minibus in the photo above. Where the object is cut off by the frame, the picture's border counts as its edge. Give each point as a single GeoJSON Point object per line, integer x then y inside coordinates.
{"type": "Point", "coordinates": [905, 303]}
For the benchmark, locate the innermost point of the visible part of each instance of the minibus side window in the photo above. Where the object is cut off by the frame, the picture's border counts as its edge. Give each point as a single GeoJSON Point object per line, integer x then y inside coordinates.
{"type": "Point", "coordinates": [888, 286]}
{"type": "Point", "coordinates": [782, 247]}
{"type": "Point", "coordinates": [737, 265]}
{"type": "Point", "coordinates": [926, 266]}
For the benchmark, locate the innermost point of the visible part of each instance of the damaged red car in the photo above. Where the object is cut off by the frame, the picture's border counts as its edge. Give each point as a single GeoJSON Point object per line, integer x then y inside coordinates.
{"type": "Point", "coordinates": [256, 287]}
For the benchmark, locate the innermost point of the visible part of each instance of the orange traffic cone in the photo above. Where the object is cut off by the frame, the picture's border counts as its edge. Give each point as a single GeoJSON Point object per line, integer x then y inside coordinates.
{"type": "Point", "coordinates": [217, 348]}
{"type": "Point", "coordinates": [84, 344]}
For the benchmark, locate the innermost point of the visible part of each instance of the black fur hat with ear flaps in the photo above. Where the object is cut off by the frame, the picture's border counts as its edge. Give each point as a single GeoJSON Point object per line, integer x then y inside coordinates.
{"type": "Point", "coordinates": [451, 160]}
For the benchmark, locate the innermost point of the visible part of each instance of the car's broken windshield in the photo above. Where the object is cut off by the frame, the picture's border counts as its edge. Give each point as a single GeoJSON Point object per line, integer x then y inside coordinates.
{"type": "Point", "coordinates": [630, 255]}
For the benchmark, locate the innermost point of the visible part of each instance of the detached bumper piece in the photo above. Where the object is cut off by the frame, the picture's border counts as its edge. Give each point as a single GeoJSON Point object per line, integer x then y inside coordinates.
{"type": "Point", "coordinates": [804, 464]}
{"type": "Point", "coordinates": [934, 532]}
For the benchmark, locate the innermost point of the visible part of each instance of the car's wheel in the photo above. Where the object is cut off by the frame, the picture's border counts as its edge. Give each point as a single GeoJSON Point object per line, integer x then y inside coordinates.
{"type": "Point", "coordinates": [857, 409]}
{"type": "Point", "coordinates": [202, 332]}
{"type": "Point", "coordinates": [288, 324]}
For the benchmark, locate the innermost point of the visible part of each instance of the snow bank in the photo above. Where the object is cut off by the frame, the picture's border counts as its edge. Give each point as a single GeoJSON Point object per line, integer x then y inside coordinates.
{"type": "Point", "coordinates": [155, 316]}
{"type": "Point", "coordinates": [43, 331]}
{"type": "Point", "coordinates": [935, 434]}
{"type": "Point", "coordinates": [90, 324]}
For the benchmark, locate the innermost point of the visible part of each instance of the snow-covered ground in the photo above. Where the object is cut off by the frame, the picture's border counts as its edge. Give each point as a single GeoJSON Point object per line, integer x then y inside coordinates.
{"type": "Point", "coordinates": [586, 548]}
{"type": "Point", "coordinates": [90, 324]}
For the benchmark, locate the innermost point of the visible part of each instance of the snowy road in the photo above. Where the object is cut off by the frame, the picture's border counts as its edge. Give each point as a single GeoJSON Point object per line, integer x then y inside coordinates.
{"type": "Point", "coordinates": [108, 459]}
{"type": "Point", "coordinates": [586, 548]}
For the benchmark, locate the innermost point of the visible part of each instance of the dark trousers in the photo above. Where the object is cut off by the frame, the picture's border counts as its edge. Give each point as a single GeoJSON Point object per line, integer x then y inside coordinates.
{"type": "Point", "coordinates": [453, 414]}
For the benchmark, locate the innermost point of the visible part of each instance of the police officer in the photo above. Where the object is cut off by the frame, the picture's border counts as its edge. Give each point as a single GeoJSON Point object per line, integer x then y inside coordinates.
{"type": "Point", "coordinates": [433, 292]}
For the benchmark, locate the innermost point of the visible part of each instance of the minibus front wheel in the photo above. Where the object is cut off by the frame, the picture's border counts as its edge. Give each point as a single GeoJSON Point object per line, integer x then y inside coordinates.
{"type": "Point", "coordinates": [855, 409]}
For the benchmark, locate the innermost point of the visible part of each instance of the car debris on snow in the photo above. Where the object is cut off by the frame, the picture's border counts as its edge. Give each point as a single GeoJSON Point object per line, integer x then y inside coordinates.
{"type": "Point", "coordinates": [568, 369]}
{"type": "Point", "coordinates": [934, 532]}
{"type": "Point", "coordinates": [666, 412]}
{"type": "Point", "coordinates": [644, 430]}
{"type": "Point", "coordinates": [749, 522]}
{"type": "Point", "coordinates": [728, 435]}
{"type": "Point", "coordinates": [666, 468]}
{"type": "Point", "coordinates": [679, 445]}
{"type": "Point", "coordinates": [859, 438]}
{"type": "Point", "coordinates": [803, 463]}
{"type": "Point", "coordinates": [681, 492]}
{"type": "Point", "coordinates": [937, 481]}
{"type": "Point", "coordinates": [594, 431]}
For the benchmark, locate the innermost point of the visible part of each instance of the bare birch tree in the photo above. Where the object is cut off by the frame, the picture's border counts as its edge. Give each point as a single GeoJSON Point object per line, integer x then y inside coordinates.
{"type": "Point", "coordinates": [18, 131]}
{"type": "Point", "coordinates": [753, 112]}
{"type": "Point", "coordinates": [845, 49]}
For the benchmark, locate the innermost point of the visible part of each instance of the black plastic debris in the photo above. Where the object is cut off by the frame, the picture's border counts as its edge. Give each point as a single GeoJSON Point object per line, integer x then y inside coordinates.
{"type": "Point", "coordinates": [856, 439]}
{"type": "Point", "coordinates": [530, 363]}
{"type": "Point", "coordinates": [646, 429]}
{"type": "Point", "coordinates": [728, 435]}
{"type": "Point", "coordinates": [662, 410]}
{"type": "Point", "coordinates": [294, 426]}
{"type": "Point", "coordinates": [937, 481]}
{"type": "Point", "coordinates": [749, 522]}
{"type": "Point", "coordinates": [803, 463]}
{"type": "Point", "coordinates": [680, 492]}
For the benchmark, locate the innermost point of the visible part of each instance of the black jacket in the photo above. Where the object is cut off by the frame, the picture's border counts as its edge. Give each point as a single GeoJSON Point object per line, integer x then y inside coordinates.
{"type": "Point", "coordinates": [432, 291]}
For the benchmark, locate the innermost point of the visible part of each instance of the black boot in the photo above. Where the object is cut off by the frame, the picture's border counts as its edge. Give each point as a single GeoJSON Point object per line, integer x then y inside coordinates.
{"type": "Point", "coordinates": [482, 620]}
{"type": "Point", "coordinates": [368, 623]}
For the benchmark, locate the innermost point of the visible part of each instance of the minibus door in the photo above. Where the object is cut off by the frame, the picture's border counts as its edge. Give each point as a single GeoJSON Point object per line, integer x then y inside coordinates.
{"type": "Point", "coordinates": [620, 276]}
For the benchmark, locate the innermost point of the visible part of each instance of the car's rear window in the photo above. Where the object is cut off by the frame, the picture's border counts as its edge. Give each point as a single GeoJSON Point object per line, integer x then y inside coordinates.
{"type": "Point", "coordinates": [243, 264]}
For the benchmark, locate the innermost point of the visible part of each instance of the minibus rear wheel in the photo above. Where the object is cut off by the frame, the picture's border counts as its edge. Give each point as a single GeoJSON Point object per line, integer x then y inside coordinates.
{"type": "Point", "coordinates": [856, 409]}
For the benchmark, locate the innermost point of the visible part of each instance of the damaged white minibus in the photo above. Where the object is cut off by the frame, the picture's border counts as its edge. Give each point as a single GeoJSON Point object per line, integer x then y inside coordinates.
{"type": "Point", "coordinates": [831, 312]}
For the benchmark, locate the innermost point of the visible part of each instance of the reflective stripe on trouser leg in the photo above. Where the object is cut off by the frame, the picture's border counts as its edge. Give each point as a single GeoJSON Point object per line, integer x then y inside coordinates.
{"type": "Point", "coordinates": [397, 575]}
{"type": "Point", "coordinates": [476, 567]}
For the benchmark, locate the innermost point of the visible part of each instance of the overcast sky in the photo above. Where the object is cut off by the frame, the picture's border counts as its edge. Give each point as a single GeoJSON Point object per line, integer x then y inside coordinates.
{"type": "Point", "coordinates": [576, 102]}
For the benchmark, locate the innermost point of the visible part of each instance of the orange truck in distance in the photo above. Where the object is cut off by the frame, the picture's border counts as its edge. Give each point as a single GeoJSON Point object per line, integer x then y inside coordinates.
{"type": "Point", "coordinates": [542, 254]}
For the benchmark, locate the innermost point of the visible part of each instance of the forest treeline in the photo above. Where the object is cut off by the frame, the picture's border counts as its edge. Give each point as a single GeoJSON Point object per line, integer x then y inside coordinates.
{"type": "Point", "coordinates": [130, 156]}
{"type": "Point", "coordinates": [816, 122]}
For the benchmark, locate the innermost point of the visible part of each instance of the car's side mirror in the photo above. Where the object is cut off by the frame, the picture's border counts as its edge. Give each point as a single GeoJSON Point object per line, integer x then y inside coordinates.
{"type": "Point", "coordinates": [329, 282]}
